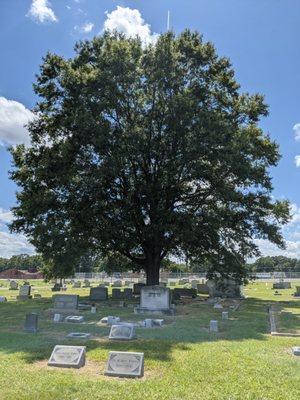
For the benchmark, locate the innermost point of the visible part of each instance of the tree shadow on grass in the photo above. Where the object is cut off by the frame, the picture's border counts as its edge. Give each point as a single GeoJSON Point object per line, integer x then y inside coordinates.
{"type": "Point", "coordinates": [190, 326]}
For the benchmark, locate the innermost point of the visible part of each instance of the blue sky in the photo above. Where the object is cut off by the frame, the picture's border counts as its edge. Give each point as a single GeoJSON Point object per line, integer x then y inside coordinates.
{"type": "Point", "coordinates": [261, 37]}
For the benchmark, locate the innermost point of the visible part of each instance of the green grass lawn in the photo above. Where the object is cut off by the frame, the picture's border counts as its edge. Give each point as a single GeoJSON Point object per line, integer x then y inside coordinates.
{"type": "Point", "coordinates": [182, 359]}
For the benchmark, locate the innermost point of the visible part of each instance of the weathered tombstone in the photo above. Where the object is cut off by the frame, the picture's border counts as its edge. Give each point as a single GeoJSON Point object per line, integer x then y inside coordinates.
{"type": "Point", "coordinates": [93, 309]}
{"type": "Point", "coordinates": [296, 351]}
{"type": "Point", "coordinates": [148, 323]}
{"type": "Point", "coordinates": [172, 283]}
{"type": "Point", "coordinates": [225, 314]}
{"type": "Point", "coordinates": [98, 293]}
{"type": "Point", "coordinates": [31, 323]}
{"type": "Point", "coordinates": [137, 288]}
{"type": "Point", "coordinates": [125, 364]}
{"type": "Point", "coordinates": [157, 322]}
{"type": "Point", "coordinates": [155, 299]}
{"type": "Point", "coordinates": [67, 356]}
{"type": "Point", "coordinates": [13, 285]}
{"type": "Point", "coordinates": [116, 294]}
{"type": "Point", "coordinates": [183, 281]}
{"type": "Point", "coordinates": [218, 306]}
{"type": "Point", "coordinates": [184, 292]}
{"type": "Point", "coordinates": [77, 285]}
{"type": "Point", "coordinates": [122, 332]}
{"type": "Point", "coordinates": [127, 283]}
{"type": "Point", "coordinates": [227, 288]}
{"type": "Point", "coordinates": [106, 283]}
{"type": "Point", "coordinates": [79, 335]}
{"type": "Point", "coordinates": [86, 283]}
{"type": "Point", "coordinates": [24, 292]}
{"type": "Point", "coordinates": [3, 299]}
{"type": "Point", "coordinates": [117, 284]}
{"type": "Point", "coordinates": [65, 302]}
{"type": "Point", "coordinates": [56, 287]}
{"type": "Point", "coordinates": [213, 326]}
{"type": "Point", "coordinates": [202, 288]}
{"type": "Point", "coordinates": [127, 294]}
{"type": "Point", "coordinates": [74, 319]}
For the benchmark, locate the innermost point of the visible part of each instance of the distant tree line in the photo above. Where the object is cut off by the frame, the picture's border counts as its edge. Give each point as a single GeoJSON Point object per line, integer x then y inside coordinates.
{"type": "Point", "coordinates": [275, 264]}
{"type": "Point", "coordinates": [22, 262]}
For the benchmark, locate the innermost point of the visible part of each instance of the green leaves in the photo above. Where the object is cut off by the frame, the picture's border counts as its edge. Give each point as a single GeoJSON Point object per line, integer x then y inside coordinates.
{"type": "Point", "coordinates": [147, 152]}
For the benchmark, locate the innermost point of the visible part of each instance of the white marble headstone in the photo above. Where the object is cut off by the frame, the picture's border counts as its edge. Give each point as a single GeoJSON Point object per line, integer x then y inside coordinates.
{"type": "Point", "coordinates": [67, 356]}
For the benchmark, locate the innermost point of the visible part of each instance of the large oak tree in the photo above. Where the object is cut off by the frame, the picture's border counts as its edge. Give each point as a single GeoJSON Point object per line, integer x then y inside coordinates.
{"type": "Point", "coordinates": [149, 152]}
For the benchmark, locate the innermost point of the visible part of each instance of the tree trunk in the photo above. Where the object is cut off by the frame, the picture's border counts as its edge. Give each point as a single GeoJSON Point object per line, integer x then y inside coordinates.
{"type": "Point", "coordinates": [152, 271]}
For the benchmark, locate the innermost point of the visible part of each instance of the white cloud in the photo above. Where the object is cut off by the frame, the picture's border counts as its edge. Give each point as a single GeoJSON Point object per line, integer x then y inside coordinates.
{"type": "Point", "coordinates": [296, 129]}
{"type": "Point", "coordinates": [85, 28]}
{"type": "Point", "coordinates": [131, 23]}
{"type": "Point", "coordinates": [41, 11]}
{"type": "Point", "coordinates": [297, 161]}
{"type": "Point", "coordinates": [269, 249]}
{"type": "Point", "coordinates": [13, 244]}
{"type": "Point", "coordinates": [13, 117]}
{"type": "Point", "coordinates": [295, 212]}
{"type": "Point", "coordinates": [5, 216]}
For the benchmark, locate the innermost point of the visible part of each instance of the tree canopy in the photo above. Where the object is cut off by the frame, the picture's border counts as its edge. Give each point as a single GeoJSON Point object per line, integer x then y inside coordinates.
{"type": "Point", "coordinates": [147, 152]}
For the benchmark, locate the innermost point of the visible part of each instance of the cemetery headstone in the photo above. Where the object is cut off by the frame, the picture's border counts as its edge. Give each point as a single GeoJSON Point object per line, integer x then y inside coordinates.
{"type": "Point", "coordinates": [127, 294]}
{"type": "Point", "coordinates": [122, 332]}
{"type": "Point", "coordinates": [79, 335]}
{"type": "Point", "coordinates": [65, 302]}
{"type": "Point", "coordinates": [3, 299]}
{"type": "Point", "coordinates": [111, 320]}
{"type": "Point", "coordinates": [281, 285]}
{"type": "Point", "coordinates": [125, 364]}
{"type": "Point", "coordinates": [56, 287]}
{"type": "Point", "coordinates": [116, 294]}
{"type": "Point", "coordinates": [227, 288]}
{"type": "Point", "coordinates": [77, 284]}
{"type": "Point", "coordinates": [86, 283]}
{"type": "Point", "coordinates": [202, 288]}
{"type": "Point", "coordinates": [74, 319]}
{"type": "Point", "coordinates": [13, 285]}
{"type": "Point", "coordinates": [213, 326]}
{"type": "Point", "coordinates": [24, 292]}
{"type": "Point", "coordinates": [98, 293]}
{"type": "Point", "coordinates": [31, 323]}
{"type": "Point", "coordinates": [137, 288]}
{"type": "Point", "coordinates": [296, 351]}
{"type": "Point", "coordinates": [225, 314]}
{"type": "Point", "coordinates": [67, 356]}
{"type": "Point", "coordinates": [184, 292]}
{"type": "Point", "coordinates": [155, 299]}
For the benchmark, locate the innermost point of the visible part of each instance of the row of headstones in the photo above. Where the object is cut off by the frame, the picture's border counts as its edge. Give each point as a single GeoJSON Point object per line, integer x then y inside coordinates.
{"type": "Point", "coordinates": [121, 364]}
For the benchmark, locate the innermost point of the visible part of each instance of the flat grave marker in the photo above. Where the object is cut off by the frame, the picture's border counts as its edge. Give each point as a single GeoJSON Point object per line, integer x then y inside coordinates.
{"type": "Point", "coordinates": [67, 356]}
{"type": "Point", "coordinates": [125, 364]}
{"type": "Point", "coordinates": [122, 332]}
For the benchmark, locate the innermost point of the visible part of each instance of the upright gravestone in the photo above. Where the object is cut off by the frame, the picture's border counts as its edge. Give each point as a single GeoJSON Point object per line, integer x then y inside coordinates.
{"type": "Point", "coordinates": [227, 288]}
{"type": "Point", "coordinates": [117, 284]}
{"type": "Point", "coordinates": [31, 323]}
{"type": "Point", "coordinates": [137, 288]}
{"type": "Point", "coordinates": [281, 285]}
{"type": "Point", "coordinates": [77, 285]}
{"type": "Point", "coordinates": [56, 287]}
{"type": "Point", "coordinates": [155, 299]}
{"type": "Point", "coordinates": [125, 364]}
{"type": "Point", "coordinates": [13, 285]}
{"type": "Point", "coordinates": [98, 293]}
{"type": "Point", "coordinates": [86, 283]}
{"type": "Point", "coordinates": [127, 294]}
{"type": "Point", "coordinates": [67, 356]}
{"type": "Point", "coordinates": [202, 288]}
{"type": "Point", "coordinates": [65, 302]}
{"type": "Point", "coordinates": [24, 292]}
{"type": "Point", "coordinates": [116, 294]}
{"type": "Point", "coordinates": [122, 332]}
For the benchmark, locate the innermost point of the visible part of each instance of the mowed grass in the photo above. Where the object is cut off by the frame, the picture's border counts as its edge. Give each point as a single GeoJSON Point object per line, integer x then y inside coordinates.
{"type": "Point", "coordinates": [182, 359]}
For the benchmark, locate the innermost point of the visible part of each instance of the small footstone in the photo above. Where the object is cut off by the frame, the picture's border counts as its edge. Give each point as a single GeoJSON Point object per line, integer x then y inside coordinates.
{"type": "Point", "coordinates": [79, 335]}
{"type": "Point", "coordinates": [57, 318]}
{"type": "Point", "coordinates": [122, 332]}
